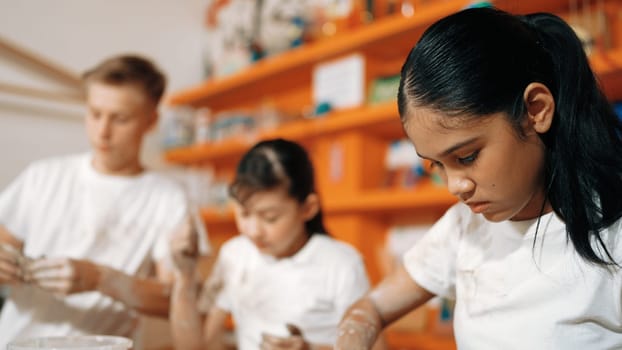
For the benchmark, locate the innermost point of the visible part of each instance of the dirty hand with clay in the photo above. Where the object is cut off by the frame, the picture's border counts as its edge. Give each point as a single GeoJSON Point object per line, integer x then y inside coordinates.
{"type": "Point", "coordinates": [11, 261]}
{"type": "Point", "coordinates": [64, 276]}
{"type": "Point", "coordinates": [358, 331]}
{"type": "Point", "coordinates": [295, 341]}
{"type": "Point", "coordinates": [185, 248]}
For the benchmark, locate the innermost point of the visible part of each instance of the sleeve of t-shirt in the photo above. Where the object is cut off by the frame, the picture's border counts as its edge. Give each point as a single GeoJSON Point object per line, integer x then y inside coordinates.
{"type": "Point", "coordinates": [431, 262]}
{"type": "Point", "coordinates": [224, 272]}
{"type": "Point", "coordinates": [353, 284]}
{"type": "Point", "coordinates": [14, 202]}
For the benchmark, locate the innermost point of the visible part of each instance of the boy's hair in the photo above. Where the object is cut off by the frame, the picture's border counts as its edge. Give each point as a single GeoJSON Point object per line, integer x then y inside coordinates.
{"type": "Point", "coordinates": [129, 69]}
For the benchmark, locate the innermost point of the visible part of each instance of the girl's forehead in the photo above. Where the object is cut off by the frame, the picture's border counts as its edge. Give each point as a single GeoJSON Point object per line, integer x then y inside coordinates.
{"type": "Point", "coordinates": [275, 198]}
{"type": "Point", "coordinates": [433, 132]}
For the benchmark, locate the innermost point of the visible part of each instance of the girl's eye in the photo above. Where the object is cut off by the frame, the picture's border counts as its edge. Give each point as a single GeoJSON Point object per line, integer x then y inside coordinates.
{"type": "Point", "coordinates": [468, 159]}
{"type": "Point", "coordinates": [271, 219]}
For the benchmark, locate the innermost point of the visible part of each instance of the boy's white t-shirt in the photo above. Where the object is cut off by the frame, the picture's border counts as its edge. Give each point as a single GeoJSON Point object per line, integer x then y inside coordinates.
{"type": "Point", "coordinates": [310, 290]}
{"type": "Point", "coordinates": [62, 207]}
{"type": "Point", "coordinates": [512, 293]}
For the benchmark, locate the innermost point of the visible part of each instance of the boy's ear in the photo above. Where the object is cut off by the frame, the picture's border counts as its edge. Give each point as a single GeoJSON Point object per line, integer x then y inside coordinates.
{"type": "Point", "coordinates": [311, 206]}
{"type": "Point", "coordinates": [153, 120]}
{"type": "Point", "coordinates": [540, 107]}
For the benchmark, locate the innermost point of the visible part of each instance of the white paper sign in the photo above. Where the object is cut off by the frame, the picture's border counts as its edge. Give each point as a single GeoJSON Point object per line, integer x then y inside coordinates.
{"type": "Point", "coordinates": [340, 82]}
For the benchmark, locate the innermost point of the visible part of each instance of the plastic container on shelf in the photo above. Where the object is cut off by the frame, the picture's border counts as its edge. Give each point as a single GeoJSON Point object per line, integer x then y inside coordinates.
{"type": "Point", "coordinates": [88, 342]}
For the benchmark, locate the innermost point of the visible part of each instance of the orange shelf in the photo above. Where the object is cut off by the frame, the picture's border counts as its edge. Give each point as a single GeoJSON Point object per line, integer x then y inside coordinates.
{"type": "Point", "coordinates": [608, 68]}
{"type": "Point", "coordinates": [388, 37]}
{"type": "Point", "coordinates": [380, 119]}
{"type": "Point", "coordinates": [254, 82]}
{"type": "Point", "coordinates": [217, 215]}
{"type": "Point", "coordinates": [381, 201]}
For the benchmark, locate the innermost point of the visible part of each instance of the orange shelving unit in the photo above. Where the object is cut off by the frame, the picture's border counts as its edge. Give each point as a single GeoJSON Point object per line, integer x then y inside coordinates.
{"type": "Point", "coordinates": [348, 146]}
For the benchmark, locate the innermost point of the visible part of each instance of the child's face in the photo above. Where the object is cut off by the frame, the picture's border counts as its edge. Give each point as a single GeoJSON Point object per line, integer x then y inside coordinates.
{"type": "Point", "coordinates": [274, 221]}
{"type": "Point", "coordinates": [117, 119]}
{"type": "Point", "coordinates": [485, 163]}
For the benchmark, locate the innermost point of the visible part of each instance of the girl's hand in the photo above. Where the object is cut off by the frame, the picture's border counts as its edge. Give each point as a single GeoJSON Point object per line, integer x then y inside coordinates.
{"type": "Point", "coordinates": [185, 248]}
{"type": "Point", "coordinates": [357, 331]}
{"type": "Point", "coordinates": [294, 342]}
{"type": "Point", "coordinates": [62, 275]}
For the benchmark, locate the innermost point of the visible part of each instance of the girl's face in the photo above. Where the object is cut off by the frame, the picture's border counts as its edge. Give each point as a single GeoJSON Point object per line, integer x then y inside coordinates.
{"type": "Point", "coordinates": [274, 221]}
{"type": "Point", "coordinates": [484, 163]}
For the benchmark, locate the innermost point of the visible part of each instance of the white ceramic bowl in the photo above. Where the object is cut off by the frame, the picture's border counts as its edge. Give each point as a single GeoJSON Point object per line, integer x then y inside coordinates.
{"type": "Point", "coordinates": [84, 342]}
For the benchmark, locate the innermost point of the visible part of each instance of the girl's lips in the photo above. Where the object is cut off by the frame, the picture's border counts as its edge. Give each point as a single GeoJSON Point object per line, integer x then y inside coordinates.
{"type": "Point", "coordinates": [478, 207]}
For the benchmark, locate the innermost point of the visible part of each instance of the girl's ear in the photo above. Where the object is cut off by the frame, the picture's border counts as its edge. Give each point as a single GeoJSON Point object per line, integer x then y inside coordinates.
{"type": "Point", "coordinates": [540, 107]}
{"type": "Point", "coordinates": [310, 207]}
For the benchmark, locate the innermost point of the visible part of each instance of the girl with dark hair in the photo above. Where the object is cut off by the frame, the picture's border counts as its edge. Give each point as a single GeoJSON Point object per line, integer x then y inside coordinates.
{"type": "Point", "coordinates": [284, 280]}
{"type": "Point", "coordinates": [508, 111]}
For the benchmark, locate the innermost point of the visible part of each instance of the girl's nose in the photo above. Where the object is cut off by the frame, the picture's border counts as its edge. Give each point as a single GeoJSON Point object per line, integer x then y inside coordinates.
{"type": "Point", "coordinates": [459, 185]}
{"type": "Point", "coordinates": [253, 229]}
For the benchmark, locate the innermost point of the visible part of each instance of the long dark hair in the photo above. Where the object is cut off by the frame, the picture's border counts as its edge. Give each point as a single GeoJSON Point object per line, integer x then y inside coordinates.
{"type": "Point", "coordinates": [276, 163]}
{"type": "Point", "coordinates": [479, 61]}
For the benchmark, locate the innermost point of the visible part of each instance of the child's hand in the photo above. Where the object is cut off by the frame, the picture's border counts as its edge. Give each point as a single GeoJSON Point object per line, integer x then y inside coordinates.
{"type": "Point", "coordinates": [11, 261]}
{"type": "Point", "coordinates": [62, 275]}
{"type": "Point", "coordinates": [294, 342]}
{"type": "Point", "coordinates": [185, 248]}
{"type": "Point", "coordinates": [355, 334]}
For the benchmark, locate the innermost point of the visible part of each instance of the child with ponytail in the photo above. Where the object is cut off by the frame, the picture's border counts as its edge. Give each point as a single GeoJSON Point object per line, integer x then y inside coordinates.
{"type": "Point", "coordinates": [508, 111]}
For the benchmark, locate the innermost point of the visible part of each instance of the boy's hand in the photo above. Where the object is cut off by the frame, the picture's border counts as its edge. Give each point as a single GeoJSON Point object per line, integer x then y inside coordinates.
{"type": "Point", "coordinates": [11, 264]}
{"type": "Point", "coordinates": [63, 276]}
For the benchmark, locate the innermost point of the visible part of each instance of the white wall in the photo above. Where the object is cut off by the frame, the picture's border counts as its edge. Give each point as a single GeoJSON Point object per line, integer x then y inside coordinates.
{"type": "Point", "coordinates": [77, 34]}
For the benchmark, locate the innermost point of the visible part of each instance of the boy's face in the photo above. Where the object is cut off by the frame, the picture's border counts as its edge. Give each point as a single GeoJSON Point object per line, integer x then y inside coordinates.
{"type": "Point", "coordinates": [117, 118]}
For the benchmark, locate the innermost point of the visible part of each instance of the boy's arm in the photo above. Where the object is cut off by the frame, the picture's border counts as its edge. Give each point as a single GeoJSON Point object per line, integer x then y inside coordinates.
{"type": "Point", "coordinates": [65, 276]}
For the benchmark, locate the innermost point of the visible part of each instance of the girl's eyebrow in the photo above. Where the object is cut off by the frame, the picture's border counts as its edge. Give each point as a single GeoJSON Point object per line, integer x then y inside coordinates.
{"type": "Point", "coordinates": [453, 148]}
{"type": "Point", "coordinates": [272, 208]}
{"type": "Point", "coordinates": [458, 146]}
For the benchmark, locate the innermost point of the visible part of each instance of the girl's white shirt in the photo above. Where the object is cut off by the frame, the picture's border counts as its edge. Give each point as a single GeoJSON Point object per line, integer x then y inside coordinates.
{"type": "Point", "coordinates": [310, 290]}
{"type": "Point", "coordinates": [512, 293]}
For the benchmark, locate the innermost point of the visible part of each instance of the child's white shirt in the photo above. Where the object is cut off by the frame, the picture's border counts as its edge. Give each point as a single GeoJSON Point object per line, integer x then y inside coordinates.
{"type": "Point", "coordinates": [513, 294]}
{"type": "Point", "coordinates": [310, 290]}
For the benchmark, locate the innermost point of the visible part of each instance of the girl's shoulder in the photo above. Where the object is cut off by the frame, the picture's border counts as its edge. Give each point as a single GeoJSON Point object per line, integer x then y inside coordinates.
{"type": "Point", "coordinates": [236, 245]}
{"type": "Point", "coordinates": [327, 249]}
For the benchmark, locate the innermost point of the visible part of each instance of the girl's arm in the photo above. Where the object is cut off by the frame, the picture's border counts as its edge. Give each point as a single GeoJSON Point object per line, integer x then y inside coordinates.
{"type": "Point", "coordinates": [186, 322]}
{"type": "Point", "coordinates": [215, 329]}
{"type": "Point", "coordinates": [394, 297]}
